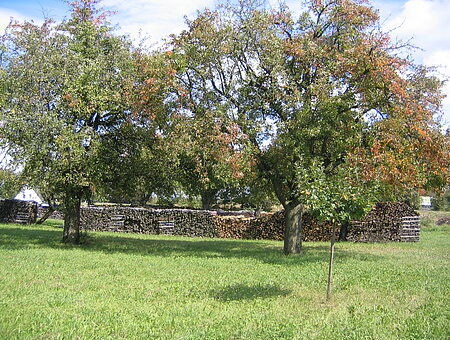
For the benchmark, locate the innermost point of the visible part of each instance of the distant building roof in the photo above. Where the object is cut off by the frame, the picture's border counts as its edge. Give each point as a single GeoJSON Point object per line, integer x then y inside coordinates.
{"type": "Point", "coordinates": [27, 194]}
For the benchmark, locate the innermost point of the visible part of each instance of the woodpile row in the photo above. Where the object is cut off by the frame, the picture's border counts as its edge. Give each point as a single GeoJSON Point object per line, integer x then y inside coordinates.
{"type": "Point", "coordinates": [387, 221]}
{"type": "Point", "coordinates": [195, 223]}
{"type": "Point", "coordinates": [17, 211]}
{"type": "Point", "coordinates": [149, 221]}
{"type": "Point", "coordinates": [270, 227]}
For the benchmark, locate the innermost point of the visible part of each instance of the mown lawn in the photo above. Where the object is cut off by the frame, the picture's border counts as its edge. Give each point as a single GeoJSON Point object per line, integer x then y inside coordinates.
{"type": "Point", "coordinates": [123, 286]}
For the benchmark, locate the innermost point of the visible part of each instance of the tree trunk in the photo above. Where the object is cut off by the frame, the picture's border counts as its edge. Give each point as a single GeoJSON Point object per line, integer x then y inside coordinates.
{"type": "Point", "coordinates": [49, 212]}
{"type": "Point", "coordinates": [72, 219]}
{"type": "Point", "coordinates": [293, 213]}
{"type": "Point", "coordinates": [208, 198]}
{"type": "Point", "coordinates": [143, 199]}
{"type": "Point", "coordinates": [343, 231]}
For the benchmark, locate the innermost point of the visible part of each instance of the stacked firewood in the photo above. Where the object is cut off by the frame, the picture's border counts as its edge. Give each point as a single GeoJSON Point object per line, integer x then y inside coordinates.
{"type": "Point", "coordinates": [383, 223]}
{"type": "Point", "coordinates": [149, 221]}
{"type": "Point", "coordinates": [232, 226]}
{"type": "Point", "coordinates": [193, 223]}
{"type": "Point", "coordinates": [270, 227]}
{"type": "Point", "coordinates": [57, 214]}
{"type": "Point", "coordinates": [386, 222]}
{"type": "Point", "coordinates": [386, 211]}
{"type": "Point", "coordinates": [117, 218]}
{"type": "Point", "coordinates": [315, 231]}
{"type": "Point", "coordinates": [17, 211]}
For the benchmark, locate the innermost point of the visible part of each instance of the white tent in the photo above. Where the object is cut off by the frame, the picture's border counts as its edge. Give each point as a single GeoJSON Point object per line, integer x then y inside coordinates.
{"type": "Point", "coordinates": [27, 194]}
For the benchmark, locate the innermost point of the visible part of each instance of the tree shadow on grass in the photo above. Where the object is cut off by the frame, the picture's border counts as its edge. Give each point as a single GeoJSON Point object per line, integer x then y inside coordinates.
{"type": "Point", "coordinates": [22, 238]}
{"type": "Point", "coordinates": [238, 292]}
{"type": "Point", "coordinates": [264, 251]}
{"type": "Point", "coordinates": [54, 223]}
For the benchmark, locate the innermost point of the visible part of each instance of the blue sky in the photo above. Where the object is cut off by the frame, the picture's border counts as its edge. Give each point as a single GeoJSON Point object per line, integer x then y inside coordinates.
{"type": "Point", "coordinates": [425, 21]}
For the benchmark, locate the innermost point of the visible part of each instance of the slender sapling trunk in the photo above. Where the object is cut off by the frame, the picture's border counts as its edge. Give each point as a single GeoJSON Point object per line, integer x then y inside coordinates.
{"type": "Point", "coordinates": [330, 267]}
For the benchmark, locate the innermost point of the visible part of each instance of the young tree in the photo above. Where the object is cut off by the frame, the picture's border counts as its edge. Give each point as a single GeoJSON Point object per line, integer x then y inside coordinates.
{"type": "Point", "coordinates": [299, 90]}
{"type": "Point", "coordinates": [66, 92]}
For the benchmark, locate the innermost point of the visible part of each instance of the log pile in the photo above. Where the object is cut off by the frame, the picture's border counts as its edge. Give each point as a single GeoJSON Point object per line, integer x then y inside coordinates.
{"type": "Point", "coordinates": [116, 218]}
{"type": "Point", "coordinates": [444, 220]}
{"type": "Point", "coordinates": [148, 221]}
{"type": "Point", "coordinates": [16, 211]}
{"type": "Point", "coordinates": [387, 221]}
{"type": "Point", "coordinates": [57, 214]}
{"type": "Point", "coordinates": [236, 227]}
{"type": "Point", "coordinates": [270, 227]}
{"type": "Point", "coordinates": [316, 231]}
{"type": "Point", "coordinates": [194, 223]}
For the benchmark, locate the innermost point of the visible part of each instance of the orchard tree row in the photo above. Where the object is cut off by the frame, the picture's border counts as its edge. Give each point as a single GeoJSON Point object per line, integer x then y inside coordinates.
{"type": "Point", "coordinates": [322, 111]}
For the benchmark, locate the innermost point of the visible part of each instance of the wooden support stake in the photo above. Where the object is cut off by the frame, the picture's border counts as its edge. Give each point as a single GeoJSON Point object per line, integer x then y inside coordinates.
{"type": "Point", "coordinates": [330, 267]}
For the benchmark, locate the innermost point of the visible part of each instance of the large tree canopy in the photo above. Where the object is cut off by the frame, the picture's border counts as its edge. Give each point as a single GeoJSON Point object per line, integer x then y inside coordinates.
{"type": "Point", "coordinates": [66, 90]}
{"type": "Point", "coordinates": [309, 94]}
{"type": "Point", "coordinates": [212, 159]}
{"type": "Point", "coordinates": [139, 158]}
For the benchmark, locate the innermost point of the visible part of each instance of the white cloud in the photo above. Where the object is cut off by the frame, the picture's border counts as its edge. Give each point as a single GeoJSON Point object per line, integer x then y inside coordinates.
{"type": "Point", "coordinates": [6, 15]}
{"type": "Point", "coordinates": [441, 60]}
{"type": "Point", "coordinates": [417, 18]}
{"type": "Point", "coordinates": [156, 19]}
{"type": "Point", "coordinates": [427, 23]}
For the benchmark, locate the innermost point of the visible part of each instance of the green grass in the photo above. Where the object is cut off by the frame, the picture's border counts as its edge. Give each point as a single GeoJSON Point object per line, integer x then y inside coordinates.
{"type": "Point", "coordinates": [124, 286]}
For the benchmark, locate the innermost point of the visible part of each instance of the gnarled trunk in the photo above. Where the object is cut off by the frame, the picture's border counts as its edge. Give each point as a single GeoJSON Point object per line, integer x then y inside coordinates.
{"type": "Point", "coordinates": [293, 213]}
{"type": "Point", "coordinates": [72, 218]}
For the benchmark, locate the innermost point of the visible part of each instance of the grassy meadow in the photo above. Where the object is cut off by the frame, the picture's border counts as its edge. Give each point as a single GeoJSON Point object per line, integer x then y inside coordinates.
{"type": "Point", "coordinates": [128, 286]}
